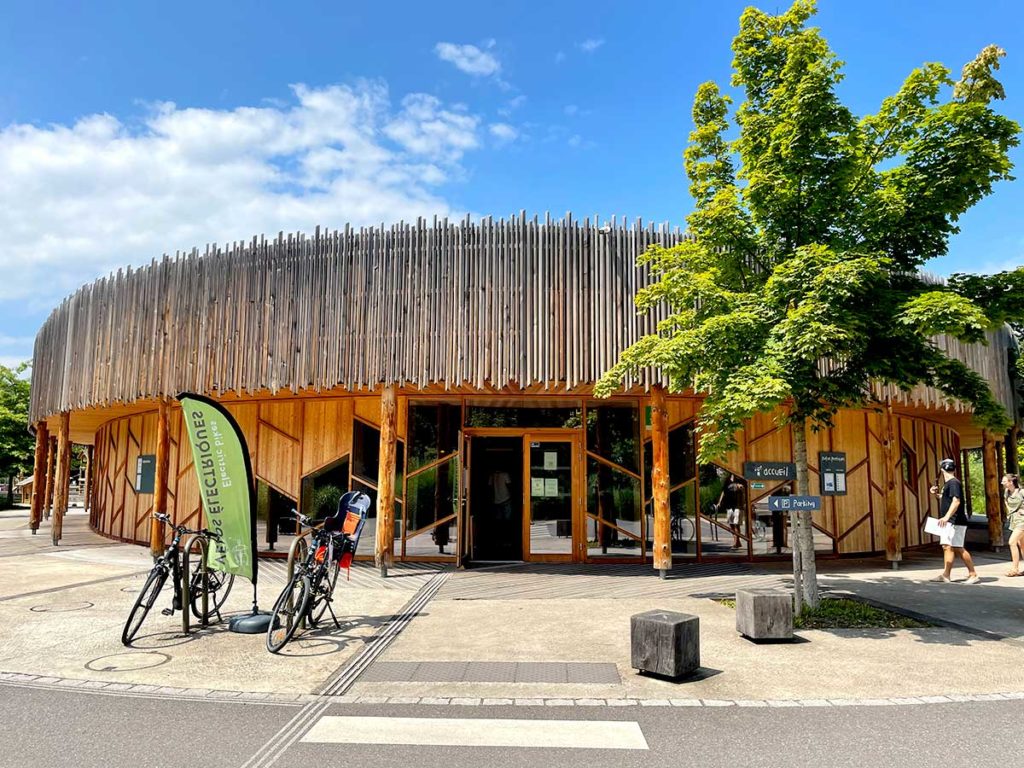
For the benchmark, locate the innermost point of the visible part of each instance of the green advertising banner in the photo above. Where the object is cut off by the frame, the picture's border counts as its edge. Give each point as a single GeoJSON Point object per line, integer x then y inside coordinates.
{"type": "Point", "coordinates": [221, 461]}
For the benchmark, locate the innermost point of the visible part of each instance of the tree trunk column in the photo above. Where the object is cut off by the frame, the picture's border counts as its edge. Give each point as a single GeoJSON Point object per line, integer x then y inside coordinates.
{"type": "Point", "coordinates": [39, 475]}
{"type": "Point", "coordinates": [803, 523]}
{"type": "Point", "coordinates": [51, 465]}
{"type": "Point", "coordinates": [893, 550]}
{"type": "Point", "coordinates": [659, 481]}
{"type": "Point", "coordinates": [993, 501]}
{"type": "Point", "coordinates": [1012, 465]}
{"type": "Point", "coordinates": [87, 496]}
{"type": "Point", "coordinates": [386, 480]}
{"type": "Point", "coordinates": [62, 480]}
{"type": "Point", "coordinates": [157, 528]}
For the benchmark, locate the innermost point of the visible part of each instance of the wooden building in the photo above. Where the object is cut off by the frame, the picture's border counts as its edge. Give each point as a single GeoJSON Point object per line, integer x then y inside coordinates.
{"type": "Point", "coordinates": [448, 368]}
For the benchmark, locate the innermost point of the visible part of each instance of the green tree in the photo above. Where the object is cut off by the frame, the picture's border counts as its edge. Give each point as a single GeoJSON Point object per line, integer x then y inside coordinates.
{"type": "Point", "coordinates": [801, 286]}
{"type": "Point", "coordinates": [17, 446]}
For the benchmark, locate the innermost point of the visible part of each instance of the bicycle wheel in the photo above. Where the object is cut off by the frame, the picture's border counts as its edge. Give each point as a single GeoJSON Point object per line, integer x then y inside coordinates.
{"type": "Point", "coordinates": [320, 595]}
{"type": "Point", "coordinates": [292, 604]}
{"type": "Point", "coordinates": [687, 529]}
{"type": "Point", "coordinates": [150, 591]}
{"type": "Point", "coordinates": [217, 584]}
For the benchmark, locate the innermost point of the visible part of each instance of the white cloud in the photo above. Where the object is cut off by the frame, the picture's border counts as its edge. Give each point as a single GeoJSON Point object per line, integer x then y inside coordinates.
{"type": "Point", "coordinates": [504, 132]}
{"type": "Point", "coordinates": [79, 200]}
{"type": "Point", "coordinates": [590, 45]}
{"type": "Point", "coordinates": [512, 105]}
{"type": "Point", "coordinates": [575, 140]}
{"type": "Point", "coordinates": [559, 57]}
{"type": "Point", "coordinates": [469, 58]}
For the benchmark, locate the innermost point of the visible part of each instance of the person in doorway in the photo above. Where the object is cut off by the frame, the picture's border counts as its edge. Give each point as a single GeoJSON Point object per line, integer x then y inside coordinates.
{"type": "Point", "coordinates": [1013, 497]}
{"type": "Point", "coordinates": [500, 483]}
{"type": "Point", "coordinates": [731, 500]}
{"type": "Point", "coordinates": [952, 513]}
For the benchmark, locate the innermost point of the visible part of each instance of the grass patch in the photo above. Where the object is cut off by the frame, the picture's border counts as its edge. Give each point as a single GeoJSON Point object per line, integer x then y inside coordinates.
{"type": "Point", "coordinates": [843, 613]}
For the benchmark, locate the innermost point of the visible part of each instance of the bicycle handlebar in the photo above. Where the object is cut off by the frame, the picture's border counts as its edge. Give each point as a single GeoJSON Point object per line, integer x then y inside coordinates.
{"type": "Point", "coordinates": [163, 518]}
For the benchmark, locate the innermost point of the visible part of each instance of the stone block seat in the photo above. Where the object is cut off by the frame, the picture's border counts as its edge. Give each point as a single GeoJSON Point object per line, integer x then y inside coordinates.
{"type": "Point", "coordinates": [665, 643]}
{"type": "Point", "coordinates": [764, 614]}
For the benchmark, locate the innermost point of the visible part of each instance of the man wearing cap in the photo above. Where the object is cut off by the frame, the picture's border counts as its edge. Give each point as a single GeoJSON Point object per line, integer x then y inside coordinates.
{"type": "Point", "coordinates": [952, 513]}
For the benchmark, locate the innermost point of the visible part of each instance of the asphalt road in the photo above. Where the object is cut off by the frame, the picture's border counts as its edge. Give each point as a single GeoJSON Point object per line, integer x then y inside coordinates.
{"type": "Point", "coordinates": [50, 727]}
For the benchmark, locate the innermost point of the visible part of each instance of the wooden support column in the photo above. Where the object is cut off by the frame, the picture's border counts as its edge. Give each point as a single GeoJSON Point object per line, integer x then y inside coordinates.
{"type": "Point", "coordinates": [386, 480]}
{"type": "Point", "coordinates": [87, 496]}
{"type": "Point", "coordinates": [1012, 465]}
{"type": "Point", "coordinates": [893, 548]}
{"type": "Point", "coordinates": [659, 481]}
{"type": "Point", "coordinates": [39, 476]}
{"type": "Point", "coordinates": [62, 478]}
{"type": "Point", "coordinates": [163, 450]}
{"type": "Point", "coordinates": [965, 462]}
{"type": "Point", "coordinates": [51, 465]}
{"type": "Point", "coordinates": [993, 501]}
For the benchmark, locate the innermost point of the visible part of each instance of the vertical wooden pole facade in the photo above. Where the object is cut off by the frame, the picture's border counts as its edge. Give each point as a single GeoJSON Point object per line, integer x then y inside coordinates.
{"type": "Point", "coordinates": [893, 549]}
{"type": "Point", "coordinates": [993, 501]}
{"type": "Point", "coordinates": [386, 480]}
{"type": "Point", "coordinates": [163, 446]}
{"type": "Point", "coordinates": [51, 464]}
{"type": "Point", "coordinates": [62, 479]}
{"type": "Point", "coordinates": [659, 481]}
{"type": "Point", "coordinates": [39, 475]}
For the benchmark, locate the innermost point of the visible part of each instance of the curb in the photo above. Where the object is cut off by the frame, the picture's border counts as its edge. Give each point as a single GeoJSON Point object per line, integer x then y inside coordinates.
{"type": "Point", "coordinates": [298, 700]}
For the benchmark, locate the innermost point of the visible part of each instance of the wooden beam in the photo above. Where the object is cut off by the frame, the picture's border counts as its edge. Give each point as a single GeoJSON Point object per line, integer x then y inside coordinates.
{"type": "Point", "coordinates": [39, 475]}
{"type": "Point", "coordinates": [386, 480]}
{"type": "Point", "coordinates": [993, 501]}
{"type": "Point", "coordinates": [163, 451]}
{"type": "Point", "coordinates": [659, 481]}
{"type": "Point", "coordinates": [51, 465]}
{"type": "Point", "coordinates": [62, 479]}
{"type": "Point", "coordinates": [87, 496]}
{"type": "Point", "coordinates": [893, 550]}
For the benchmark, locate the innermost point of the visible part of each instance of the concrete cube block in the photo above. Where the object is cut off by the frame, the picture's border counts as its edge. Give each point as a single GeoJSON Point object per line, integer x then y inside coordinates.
{"type": "Point", "coordinates": [764, 614]}
{"type": "Point", "coordinates": [665, 643]}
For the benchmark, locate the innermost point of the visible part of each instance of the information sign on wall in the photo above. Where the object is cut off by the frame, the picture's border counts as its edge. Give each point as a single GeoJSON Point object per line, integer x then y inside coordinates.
{"type": "Point", "coordinates": [769, 470]}
{"type": "Point", "coordinates": [145, 474]}
{"type": "Point", "coordinates": [832, 471]}
{"type": "Point", "coordinates": [794, 503]}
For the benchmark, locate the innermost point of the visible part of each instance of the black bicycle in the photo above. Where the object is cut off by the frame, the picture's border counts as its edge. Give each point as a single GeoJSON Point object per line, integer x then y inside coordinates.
{"type": "Point", "coordinates": [310, 591]}
{"type": "Point", "coordinates": [214, 584]}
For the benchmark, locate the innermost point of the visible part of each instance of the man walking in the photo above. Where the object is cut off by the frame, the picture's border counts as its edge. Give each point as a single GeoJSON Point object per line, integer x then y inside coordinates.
{"type": "Point", "coordinates": [953, 514]}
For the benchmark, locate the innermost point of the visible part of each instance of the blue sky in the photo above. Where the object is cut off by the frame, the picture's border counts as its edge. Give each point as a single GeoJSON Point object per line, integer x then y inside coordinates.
{"type": "Point", "coordinates": [128, 130]}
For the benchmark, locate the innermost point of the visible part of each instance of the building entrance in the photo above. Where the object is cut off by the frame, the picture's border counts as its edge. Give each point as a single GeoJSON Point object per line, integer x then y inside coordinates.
{"type": "Point", "coordinates": [496, 498]}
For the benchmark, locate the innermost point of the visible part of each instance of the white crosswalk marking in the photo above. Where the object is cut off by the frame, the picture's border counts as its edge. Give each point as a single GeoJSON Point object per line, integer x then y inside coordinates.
{"type": "Point", "coordinates": [478, 732]}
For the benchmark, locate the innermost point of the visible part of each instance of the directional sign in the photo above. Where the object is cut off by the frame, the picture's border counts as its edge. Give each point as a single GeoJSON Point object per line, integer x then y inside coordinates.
{"type": "Point", "coordinates": [794, 503]}
{"type": "Point", "coordinates": [769, 470]}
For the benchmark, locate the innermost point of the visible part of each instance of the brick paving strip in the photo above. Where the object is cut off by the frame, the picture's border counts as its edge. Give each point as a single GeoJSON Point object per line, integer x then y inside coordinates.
{"type": "Point", "coordinates": [298, 700]}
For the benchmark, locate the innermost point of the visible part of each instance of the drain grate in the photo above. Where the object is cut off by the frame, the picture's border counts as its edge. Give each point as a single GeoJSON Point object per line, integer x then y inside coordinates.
{"type": "Point", "coordinates": [592, 673]}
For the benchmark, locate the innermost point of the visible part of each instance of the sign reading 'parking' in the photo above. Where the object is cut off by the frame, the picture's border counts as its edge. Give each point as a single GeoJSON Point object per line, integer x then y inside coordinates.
{"type": "Point", "coordinates": [794, 503]}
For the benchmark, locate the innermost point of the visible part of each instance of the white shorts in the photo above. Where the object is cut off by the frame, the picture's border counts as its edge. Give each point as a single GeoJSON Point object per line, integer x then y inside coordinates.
{"type": "Point", "coordinates": [955, 536]}
{"type": "Point", "coordinates": [732, 517]}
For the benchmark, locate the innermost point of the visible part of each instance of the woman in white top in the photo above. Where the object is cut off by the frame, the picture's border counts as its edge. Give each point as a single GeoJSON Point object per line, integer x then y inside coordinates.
{"type": "Point", "coordinates": [1013, 497]}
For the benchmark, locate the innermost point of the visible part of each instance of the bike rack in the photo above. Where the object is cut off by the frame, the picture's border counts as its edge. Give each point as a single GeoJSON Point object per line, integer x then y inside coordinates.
{"type": "Point", "coordinates": [186, 603]}
{"type": "Point", "coordinates": [296, 552]}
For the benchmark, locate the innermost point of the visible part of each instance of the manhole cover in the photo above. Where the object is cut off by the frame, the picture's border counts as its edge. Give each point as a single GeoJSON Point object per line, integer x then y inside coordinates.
{"type": "Point", "coordinates": [128, 662]}
{"type": "Point", "coordinates": [79, 605]}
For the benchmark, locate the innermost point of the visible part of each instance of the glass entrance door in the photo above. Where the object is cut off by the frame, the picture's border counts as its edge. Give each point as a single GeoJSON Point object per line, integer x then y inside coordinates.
{"type": "Point", "coordinates": [551, 525]}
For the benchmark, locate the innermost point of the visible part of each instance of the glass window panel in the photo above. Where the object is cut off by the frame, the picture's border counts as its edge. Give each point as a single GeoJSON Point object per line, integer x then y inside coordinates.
{"type": "Point", "coordinates": [682, 458]}
{"type": "Point", "coordinates": [366, 456]}
{"type": "Point", "coordinates": [725, 527]}
{"type": "Point", "coordinates": [613, 432]}
{"type": "Point", "coordinates": [321, 490]}
{"type": "Point", "coordinates": [432, 495]}
{"type": "Point", "coordinates": [368, 539]}
{"type": "Point", "coordinates": [438, 542]}
{"type": "Point", "coordinates": [275, 518]}
{"type": "Point", "coordinates": [613, 497]}
{"type": "Point", "coordinates": [682, 504]}
{"type": "Point", "coordinates": [770, 530]}
{"type": "Point", "coordinates": [524, 417]}
{"type": "Point", "coordinates": [433, 432]}
{"type": "Point", "coordinates": [551, 498]}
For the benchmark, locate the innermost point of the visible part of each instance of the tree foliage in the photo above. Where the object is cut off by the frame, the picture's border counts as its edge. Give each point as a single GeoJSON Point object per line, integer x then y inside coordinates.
{"type": "Point", "coordinates": [17, 446]}
{"type": "Point", "coordinates": [801, 282]}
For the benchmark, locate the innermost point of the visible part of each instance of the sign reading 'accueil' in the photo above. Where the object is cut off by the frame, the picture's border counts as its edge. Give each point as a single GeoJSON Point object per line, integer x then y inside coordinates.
{"type": "Point", "coordinates": [794, 503]}
{"type": "Point", "coordinates": [769, 470]}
